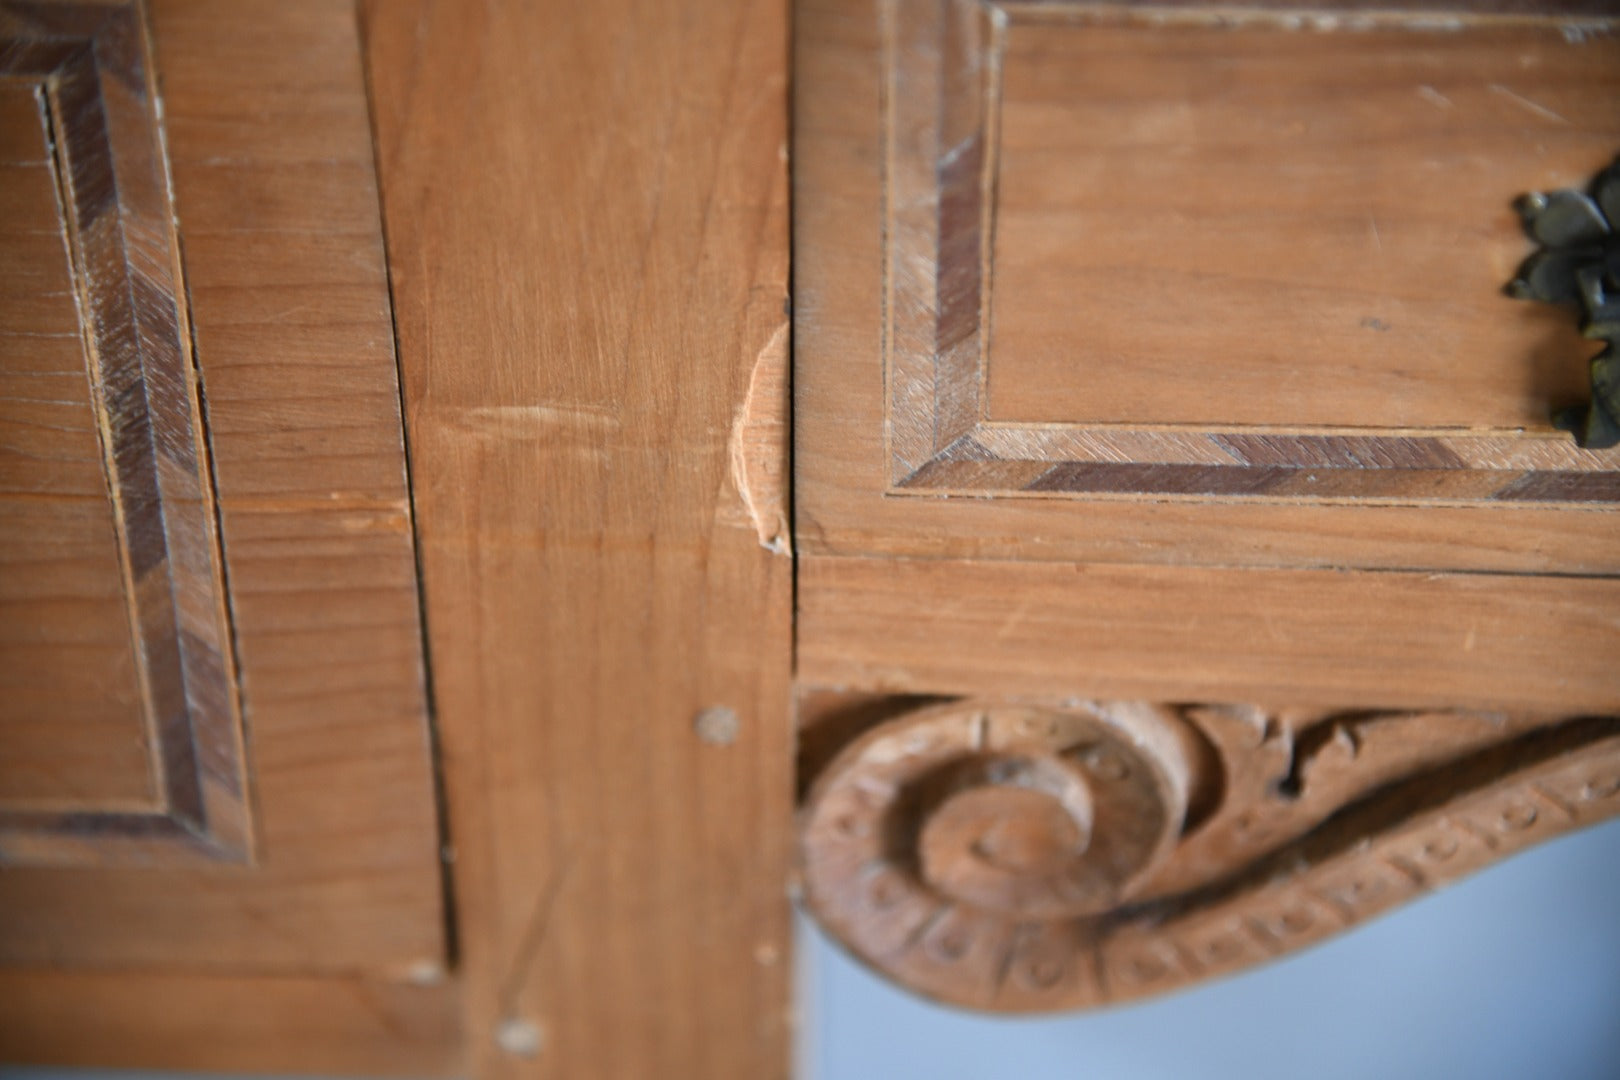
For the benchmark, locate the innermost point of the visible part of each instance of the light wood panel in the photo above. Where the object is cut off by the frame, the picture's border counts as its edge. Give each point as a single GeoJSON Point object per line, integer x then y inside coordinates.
{"type": "Point", "coordinates": [1333, 638]}
{"type": "Point", "coordinates": [586, 212]}
{"type": "Point", "coordinates": [1156, 393]}
{"type": "Point", "coordinates": [279, 234]}
{"type": "Point", "coordinates": [66, 741]}
{"type": "Point", "coordinates": [1323, 504]}
{"type": "Point", "coordinates": [340, 1026]}
{"type": "Point", "coordinates": [1282, 225]}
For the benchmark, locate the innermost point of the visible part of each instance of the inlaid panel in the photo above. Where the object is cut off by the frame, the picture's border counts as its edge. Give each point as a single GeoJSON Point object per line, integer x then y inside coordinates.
{"type": "Point", "coordinates": [65, 740]}
{"type": "Point", "coordinates": [1180, 252]}
{"type": "Point", "coordinates": [119, 718]}
{"type": "Point", "coordinates": [1091, 282]}
{"type": "Point", "coordinates": [212, 485]}
{"type": "Point", "coordinates": [1280, 225]}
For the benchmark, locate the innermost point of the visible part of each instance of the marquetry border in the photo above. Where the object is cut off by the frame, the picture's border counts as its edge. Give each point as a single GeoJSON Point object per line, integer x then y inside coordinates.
{"type": "Point", "coordinates": [89, 63]}
{"type": "Point", "coordinates": [942, 89]}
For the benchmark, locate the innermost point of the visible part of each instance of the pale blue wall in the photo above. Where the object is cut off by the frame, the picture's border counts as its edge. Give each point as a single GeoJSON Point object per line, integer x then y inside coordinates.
{"type": "Point", "coordinates": [1511, 975]}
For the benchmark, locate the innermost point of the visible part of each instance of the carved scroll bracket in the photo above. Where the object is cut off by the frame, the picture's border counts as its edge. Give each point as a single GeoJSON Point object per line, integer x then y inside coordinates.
{"type": "Point", "coordinates": [1021, 857]}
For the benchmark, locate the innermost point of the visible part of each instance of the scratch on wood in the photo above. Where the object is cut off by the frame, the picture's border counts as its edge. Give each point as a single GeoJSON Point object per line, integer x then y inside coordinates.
{"type": "Point", "coordinates": [367, 1001]}
{"type": "Point", "coordinates": [534, 934]}
{"type": "Point", "coordinates": [1434, 97]}
{"type": "Point", "coordinates": [506, 419]}
{"type": "Point", "coordinates": [759, 444]}
{"type": "Point", "coordinates": [1526, 103]}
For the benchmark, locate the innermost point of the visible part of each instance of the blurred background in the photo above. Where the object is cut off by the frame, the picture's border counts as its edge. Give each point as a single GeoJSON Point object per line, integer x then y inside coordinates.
{"type": "Point", "coordinates": [1513, 974]}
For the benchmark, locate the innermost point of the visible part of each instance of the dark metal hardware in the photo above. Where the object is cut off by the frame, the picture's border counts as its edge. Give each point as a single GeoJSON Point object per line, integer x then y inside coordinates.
{"type": "Point", "coordinates": [1579, 265]}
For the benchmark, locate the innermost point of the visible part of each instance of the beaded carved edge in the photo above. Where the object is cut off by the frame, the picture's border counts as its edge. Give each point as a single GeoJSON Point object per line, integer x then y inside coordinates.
{"type": "Point", "coordinates": [1023, 856]}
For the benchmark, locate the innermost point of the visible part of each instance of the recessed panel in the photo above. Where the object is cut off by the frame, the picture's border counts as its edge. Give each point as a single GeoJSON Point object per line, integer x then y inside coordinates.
{"type": "Point", "coordinates": [1045, 309]}
{"type": "Point", "coordinates": [1139, 253]}
{"type": "Point", "coordinates": [209, 265]}
{"type": "Point", "coordinates": [1287, 222]}
{"type": "Point", "coordinates": [115, 578]}
{"type": "Point", "coordinates": [72, 726]}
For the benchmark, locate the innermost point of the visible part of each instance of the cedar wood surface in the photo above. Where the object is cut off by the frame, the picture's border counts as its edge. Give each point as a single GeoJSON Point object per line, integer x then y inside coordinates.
{"type": "Point", "coordinates": [843, 505]}
{"type": "Point", "coordinates": [269, 144]}
{"type": "Point", "coordinates": [586, 218]}
{"type": "Point", "coordinates": [1335, 638]}
{"type": "Point", "coordinates": [64, 741]}
{"type": "Point", "coordinates": [329, 1025]}
{"type": "Point", "coordinates": [88, 66]}
{"type": "Point", "coordinates": [588, 238]}
{"type": "Point", "coordinates": [1201, 226]}
{"type": "Point", "coordinates": [587, 228]}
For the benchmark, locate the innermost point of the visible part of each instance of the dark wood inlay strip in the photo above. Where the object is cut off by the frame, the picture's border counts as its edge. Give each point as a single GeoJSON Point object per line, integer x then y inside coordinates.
{"type": "Point", "coordinates": [115, 199]}
{"type": "Point", "coordinates": [942, 81]}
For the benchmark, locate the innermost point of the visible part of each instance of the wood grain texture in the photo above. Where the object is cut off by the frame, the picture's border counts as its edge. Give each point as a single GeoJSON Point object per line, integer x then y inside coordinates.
{"type": "Point", "coordinates": [340, 1026]}
{"type": "Point", "coordinates": [1023, 856]}
{"type": "Point", "coordinates": [586, 216]}
{"type": "Point", "coordinates": [1103, 270]}
{"type": "Point", "coordinates": [1165, 189]}
{"type": "Point", "coordinates": [66, 741]}
{"type": "Point", "coordinates": [1095, 400]}
{"type": "Point", "coordinates": [1292, 498]}
{"type": "Point", "coordinates": [96, 100]}
{"type": "Point", "coordinates": [274, 189]}
{"type": "Point", "coordinates": [1333, 638]}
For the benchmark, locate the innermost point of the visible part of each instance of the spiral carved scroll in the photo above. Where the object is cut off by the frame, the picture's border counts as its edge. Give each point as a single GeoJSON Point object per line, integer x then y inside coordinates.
{"type": "Point", "coordinates": [1026, 857]}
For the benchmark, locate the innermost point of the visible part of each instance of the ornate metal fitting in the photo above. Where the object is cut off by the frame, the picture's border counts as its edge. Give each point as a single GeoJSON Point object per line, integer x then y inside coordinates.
{"type": "Point", "coordinates": [1579, 264]}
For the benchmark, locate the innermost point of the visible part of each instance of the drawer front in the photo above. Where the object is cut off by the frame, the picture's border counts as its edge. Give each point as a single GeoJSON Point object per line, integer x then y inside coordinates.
{"type": "Point", "coordinates": [1195, 285]}
{"type": "Point", "coordinates": [213, 735]}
